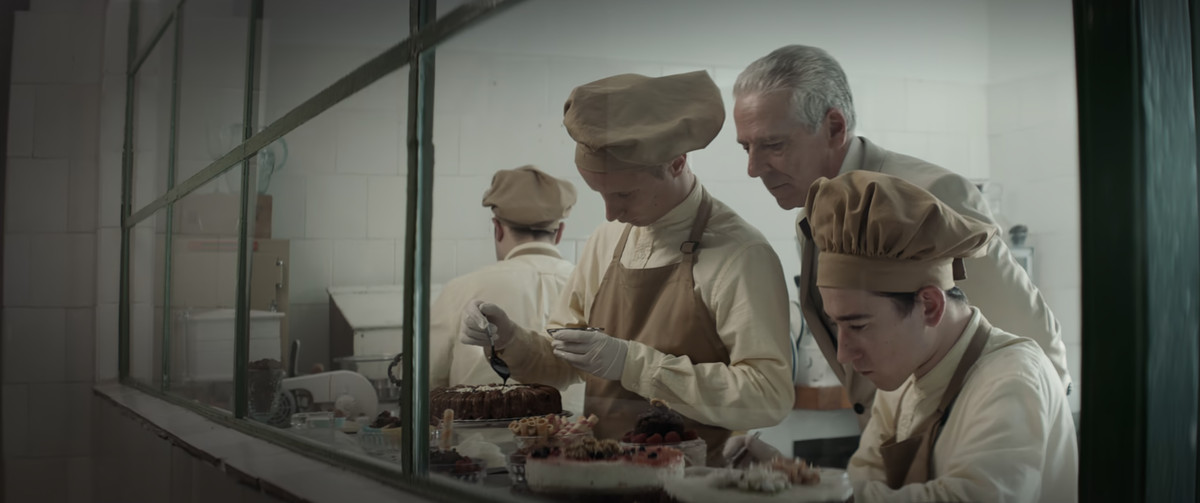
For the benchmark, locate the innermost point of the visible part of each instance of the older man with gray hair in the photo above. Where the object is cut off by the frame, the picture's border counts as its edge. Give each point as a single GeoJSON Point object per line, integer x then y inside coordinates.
{"type": "Point", "coordinates": [794, 115]}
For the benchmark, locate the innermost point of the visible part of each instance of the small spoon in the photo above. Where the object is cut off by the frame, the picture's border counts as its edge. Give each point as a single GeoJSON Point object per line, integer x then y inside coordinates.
{"type": "Point", "coordinates": [498, 365]}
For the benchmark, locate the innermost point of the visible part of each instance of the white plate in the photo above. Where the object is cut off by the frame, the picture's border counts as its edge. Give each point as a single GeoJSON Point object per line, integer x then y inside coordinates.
{"type": "Point", "coordinates": [694, 487]}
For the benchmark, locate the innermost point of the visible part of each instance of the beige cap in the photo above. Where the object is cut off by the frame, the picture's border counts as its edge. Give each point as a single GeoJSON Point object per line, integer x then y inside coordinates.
{"type": "Point", "coordinates": [632, 121]}
{"type": "Point", "coordinates": [879, 233]}
{"type": "Point", "coordinates": [528, 198]}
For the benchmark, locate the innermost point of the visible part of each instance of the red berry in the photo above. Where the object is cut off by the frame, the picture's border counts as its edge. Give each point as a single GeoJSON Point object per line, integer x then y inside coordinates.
{"type": "Point", "coordinates": [671, 437]}
{"type": "Point", "coordinates": [690, 435]}
{"type": "Point", "coordinates": [654, 439]}
{"type": "Point", "coordinates": [640, 438]}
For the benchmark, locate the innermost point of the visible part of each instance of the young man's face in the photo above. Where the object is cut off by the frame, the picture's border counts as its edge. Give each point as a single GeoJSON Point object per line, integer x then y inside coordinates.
{"type": "Point", "coordinates": [634, 197]}
{"type": "Point", "coordinates": [784, 153]}
{"type": "Point", "coordinates": [881, 343]}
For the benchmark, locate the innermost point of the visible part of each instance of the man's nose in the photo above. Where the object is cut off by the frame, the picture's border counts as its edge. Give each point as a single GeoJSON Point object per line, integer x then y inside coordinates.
{"type": "Point", "coordinates": [846, 351]}
{"type": "Point", "coordinates": [756, 166]}
{"type": "Point", "coordinates": [612, 211]}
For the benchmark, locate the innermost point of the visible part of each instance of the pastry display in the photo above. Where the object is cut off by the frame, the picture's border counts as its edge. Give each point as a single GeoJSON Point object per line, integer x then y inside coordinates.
{"type": "Point", "coordinates": [495, 401]}
{"type": "Point", "coordinates": [550, 430]}
{"type": "Point", "coordinates": [754, 479]}
{"type": "Point", "coordinates": [591, 465]}
{"type": "Point", "coordinates": [663, 426]}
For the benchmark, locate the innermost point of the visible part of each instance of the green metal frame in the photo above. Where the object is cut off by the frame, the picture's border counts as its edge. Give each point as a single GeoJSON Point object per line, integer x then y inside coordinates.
{"type": "Point", "coordinates": [426, 32]}
{"type": "Point", "coordinates": [168, 244]}
{"type": "Point", "coordinates": [1139, 250]}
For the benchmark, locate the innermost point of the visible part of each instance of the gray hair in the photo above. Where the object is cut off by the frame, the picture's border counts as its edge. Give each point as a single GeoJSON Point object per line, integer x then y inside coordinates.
{"type": "Point", "coordinates": [815, 79]}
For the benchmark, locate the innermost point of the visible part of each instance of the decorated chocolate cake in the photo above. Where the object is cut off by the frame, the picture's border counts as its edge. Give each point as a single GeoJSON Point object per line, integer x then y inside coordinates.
{"type": "Point", "coordinates": [494, 401]}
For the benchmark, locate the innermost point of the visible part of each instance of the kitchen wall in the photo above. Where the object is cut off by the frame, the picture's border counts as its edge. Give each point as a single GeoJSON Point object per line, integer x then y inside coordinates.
{"type": "Point", "coordinates": [53, 244]}
{"type": "Point", "coordinates": [1034, 137]}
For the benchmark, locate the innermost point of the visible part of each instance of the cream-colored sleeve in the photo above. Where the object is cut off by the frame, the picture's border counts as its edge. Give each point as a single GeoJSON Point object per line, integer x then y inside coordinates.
{"type": "Point", "coordinates": [445, 315]}
{"type": "Point", "coordinates": [749, 305]}
{"type": "Point", "coordinates": [867, 464]}
{"type": "Point", "coordinates": [995, 451]}
{"type": "Point", "coordinates": [998, 286]}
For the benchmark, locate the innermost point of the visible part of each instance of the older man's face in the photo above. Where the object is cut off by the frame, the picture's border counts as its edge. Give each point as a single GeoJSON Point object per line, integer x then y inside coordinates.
{"type": "Point", "coordinates": [783, 153]}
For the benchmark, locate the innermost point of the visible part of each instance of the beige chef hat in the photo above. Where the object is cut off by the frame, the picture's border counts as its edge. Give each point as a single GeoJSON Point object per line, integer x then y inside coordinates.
{"type": "Point", "coordinates": [879, 233]}
{"type": "Point", "coordinates": [528, 198]}
{"type": "Point", "coordinates": [633, 121]}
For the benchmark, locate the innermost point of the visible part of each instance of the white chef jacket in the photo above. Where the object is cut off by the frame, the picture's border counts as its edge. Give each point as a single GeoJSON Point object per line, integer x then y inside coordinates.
{"type": "Point", "coordinates": [739, 279]}
{"type": "Point", "coordinates": [1009, 436]}
{"type": "Point", "coordinates": [526, 287]}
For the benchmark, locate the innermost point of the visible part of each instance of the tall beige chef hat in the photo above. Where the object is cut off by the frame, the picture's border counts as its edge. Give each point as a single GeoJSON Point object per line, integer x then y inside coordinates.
{"type": "Point", "coordinates": [632, 121]}
{"type": "Point", "coordinates": [879, 233]}
{"type": "Point", "coordinates": [528, 198]}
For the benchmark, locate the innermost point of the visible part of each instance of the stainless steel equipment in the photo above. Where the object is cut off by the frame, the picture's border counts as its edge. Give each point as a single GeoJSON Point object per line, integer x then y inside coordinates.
{"type": "Point", "coordinates": [375, 369]}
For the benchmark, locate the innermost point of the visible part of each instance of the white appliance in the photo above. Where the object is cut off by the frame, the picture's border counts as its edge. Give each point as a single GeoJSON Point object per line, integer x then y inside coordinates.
{"type": "Point", "coordinates": [366, 320]}
{"type": "Point", "coordinates": [347, 390]}
{"type": "Point", "coordinates": [209, 340]}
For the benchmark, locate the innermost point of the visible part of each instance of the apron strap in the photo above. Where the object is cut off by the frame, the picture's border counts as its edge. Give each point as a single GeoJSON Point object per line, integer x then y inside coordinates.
{"type": "Point", "coordinates": [689, 247]}
{"type": "Point", "coordinates": [616, 259]}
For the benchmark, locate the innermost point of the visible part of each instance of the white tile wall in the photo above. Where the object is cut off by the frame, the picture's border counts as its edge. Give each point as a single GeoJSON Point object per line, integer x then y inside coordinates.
{"type": "Point", "coordinates": [16, 420]}
{"type": "Point", "coordinates": [363, 262]}
{"type": "Point", "coordinates": [81, 345]}
{"type": "Point", "coordinates": [387, 199]}
{"type": "Point", "coordinates": [370, 142]}
{"type": "Point", "coordinates": [17, 269]}
{"type": "Point", "coordinates": [82, 195]}
{"type": "Point", "coordinates": [36, 195]}
{"type": "Point", "coordinates": [35, 479]}
{"type": "Point", "coordinates": [66, 118]}
{"type": "Point", "coordinates": [312, 271]}
{"type": "Point", "coordinates": [337, 207]}
{"type": "Point", "coordinates": [106, 341]}
{"type": "Point", "coordinates": [35, 342]}
{"type": "Point", "coordinates": [289, 202]}
{"type": "Point", "coordinates": [20, 120]}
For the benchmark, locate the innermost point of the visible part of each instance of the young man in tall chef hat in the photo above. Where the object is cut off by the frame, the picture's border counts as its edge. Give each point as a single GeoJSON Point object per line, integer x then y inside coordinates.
{"type": "Point", "coordinates": [690, 297]}
{"type": "Point", "coordinates": [528, 208]}
{"type": "Point", "coordinates": [964, 411]}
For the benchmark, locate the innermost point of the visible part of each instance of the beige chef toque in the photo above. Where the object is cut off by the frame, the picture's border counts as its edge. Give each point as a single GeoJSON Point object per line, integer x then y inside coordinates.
{"type": "Point", "coordinates": [879, 233]}
{"type": "Point", "coordinates": [632, 121]}
{"type": "Point", "coordinates": [527, 198]}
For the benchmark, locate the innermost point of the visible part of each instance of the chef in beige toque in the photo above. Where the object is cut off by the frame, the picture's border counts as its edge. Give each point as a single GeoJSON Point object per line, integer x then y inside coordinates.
{"type": "Point", "coordinates": [528, 208]}
{"type": "Point", "coordinates": [964, 411]}
{"type": "Point", "coordinates": [690, 297]}
{"type": "Point", "coordinates": [795, 118]}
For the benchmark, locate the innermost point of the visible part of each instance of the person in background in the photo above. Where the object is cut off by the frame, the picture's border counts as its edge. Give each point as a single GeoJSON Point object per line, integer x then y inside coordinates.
{"type": "Point", "coordinates": [964, 410]}
{"type": "Point", "coordinates": [795, 118]}
{"type": "Point", "coordinates": [528, 208]}
{"type": "Point", "coordinates": [689, 298]}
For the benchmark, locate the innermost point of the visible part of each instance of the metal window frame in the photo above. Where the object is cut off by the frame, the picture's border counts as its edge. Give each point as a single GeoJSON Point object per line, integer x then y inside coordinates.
{"type": "Point", "coordinates": [416, 51]}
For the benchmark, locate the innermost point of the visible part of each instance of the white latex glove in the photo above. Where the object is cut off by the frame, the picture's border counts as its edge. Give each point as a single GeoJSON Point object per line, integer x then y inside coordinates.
{"type": "Point", "coordinates": [476, 317]}
{"type": "Point", "coordinates": [757, 452]}
{"type": "Point", "coordinates": [596, 353]}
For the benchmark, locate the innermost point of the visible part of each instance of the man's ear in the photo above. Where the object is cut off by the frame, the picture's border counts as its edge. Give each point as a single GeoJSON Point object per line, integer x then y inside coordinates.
{"type": "Point", "coordinates": [497, 230]}
{"type": "Point", "coordinates": [559, 233]}
{"type": "Point", "coordinates": [835, 127]}
{"type": "Point", "coordinates": [933, 304]}
{"type": "Point", "coordinates": [677, 165]}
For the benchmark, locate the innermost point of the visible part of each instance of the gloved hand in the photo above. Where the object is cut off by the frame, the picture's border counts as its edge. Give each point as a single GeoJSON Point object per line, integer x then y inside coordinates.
{"type": "Point", "coordinates": [593, 352]}
{"type": "Point", "coordinates": [757, 451]}
{"type": "Point", "coordinates": [476, 317]}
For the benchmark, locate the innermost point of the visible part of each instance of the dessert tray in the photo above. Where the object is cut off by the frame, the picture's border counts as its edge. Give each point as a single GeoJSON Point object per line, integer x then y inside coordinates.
{"type": "Point", "coordinates": [491, 423]}
{"type": "Point", "coordinates": [695, 487]}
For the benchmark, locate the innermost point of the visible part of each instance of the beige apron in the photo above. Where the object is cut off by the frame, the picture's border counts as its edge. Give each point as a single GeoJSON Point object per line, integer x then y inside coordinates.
{"type": "Point", "coordinates": [658, 307]}
{"type": "Point", "coordinates": [911, 461]}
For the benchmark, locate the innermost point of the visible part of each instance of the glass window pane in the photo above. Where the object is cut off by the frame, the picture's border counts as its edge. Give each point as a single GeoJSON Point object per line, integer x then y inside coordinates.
{"type": "Point", "coordinates": [330, 260]}
{"type": "Point", "coordinates": [146, 280]}
{"type": "Point", "coordinates": [204, 252]}
{"type": "Point", "coordinates": [152, 124]}
{"type": "Point", "coordinates": [151, 15]}
{"type": "Point", "coordinates": [308, 45]}
{"type": "Point", "coordinates": [212, 82]}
